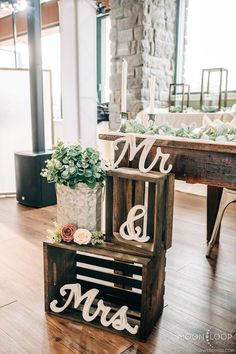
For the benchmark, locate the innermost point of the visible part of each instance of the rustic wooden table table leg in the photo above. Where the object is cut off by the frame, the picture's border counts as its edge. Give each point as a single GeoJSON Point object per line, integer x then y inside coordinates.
{"type": "Point", "coordinates": [213, 201]}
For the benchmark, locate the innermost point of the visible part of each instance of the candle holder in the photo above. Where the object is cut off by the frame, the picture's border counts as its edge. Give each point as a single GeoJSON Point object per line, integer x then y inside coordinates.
{"type": "Point", "coordinates": [213, 89]}
{"type": "Point", "coordinates": [151, 119]}
{"type": "Point", "coordinates": [178, 97]}
{"type": "Point", "coordinates": [123, 120]}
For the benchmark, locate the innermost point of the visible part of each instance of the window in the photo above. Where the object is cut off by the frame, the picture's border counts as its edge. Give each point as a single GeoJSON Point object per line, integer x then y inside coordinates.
{"type": "Point", "coordinates": [209, 40]}
{"type": "Point", "coordinates": [50, 43]}
{"type": "Point", "coordinates": [103, 58]}
{"type": "Point", "coordinates": [7, 56]}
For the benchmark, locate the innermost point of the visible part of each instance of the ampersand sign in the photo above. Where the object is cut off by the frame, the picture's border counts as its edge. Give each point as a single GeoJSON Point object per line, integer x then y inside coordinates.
{"type": "Point", "coordinates": [134, 233]}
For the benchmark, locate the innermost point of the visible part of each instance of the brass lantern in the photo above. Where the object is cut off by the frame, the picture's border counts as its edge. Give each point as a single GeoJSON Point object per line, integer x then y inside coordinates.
{"type": "Point", "coordinates": [213, 89]}
{"type": "Point", "coordinates": [178, 97]}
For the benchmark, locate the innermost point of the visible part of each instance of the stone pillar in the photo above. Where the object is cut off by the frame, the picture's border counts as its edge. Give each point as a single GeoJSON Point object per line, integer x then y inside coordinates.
{"type": "Point", "coordinates": [143, 32]}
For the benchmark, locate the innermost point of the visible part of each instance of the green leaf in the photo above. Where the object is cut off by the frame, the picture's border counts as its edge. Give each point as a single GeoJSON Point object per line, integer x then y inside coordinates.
{"type": "Point", "coordinates": [72, 170]}
{"type": "Point", "coordinates": [88, 173]}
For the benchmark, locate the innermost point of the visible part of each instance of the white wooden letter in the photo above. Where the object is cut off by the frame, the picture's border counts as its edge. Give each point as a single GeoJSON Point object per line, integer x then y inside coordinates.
{"type": "Point", "coordinates": [134, 233]}
{"type": "Point", "coordinates": [118, 321]}
{"type": "Point", "coordinates": [146, 145]}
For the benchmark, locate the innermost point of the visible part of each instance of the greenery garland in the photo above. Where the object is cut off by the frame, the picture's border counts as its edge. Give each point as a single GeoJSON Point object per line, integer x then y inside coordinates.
{"type": "Point", "coordinates": [222, 133]}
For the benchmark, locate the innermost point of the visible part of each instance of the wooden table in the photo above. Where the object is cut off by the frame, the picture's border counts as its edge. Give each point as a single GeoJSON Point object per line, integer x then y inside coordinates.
{"type": "Point", "coordinates": [194, 161]}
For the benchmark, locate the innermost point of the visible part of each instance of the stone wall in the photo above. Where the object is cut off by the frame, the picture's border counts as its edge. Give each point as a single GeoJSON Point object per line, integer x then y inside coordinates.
{"type": "Point", "coordinates": [143, 33]}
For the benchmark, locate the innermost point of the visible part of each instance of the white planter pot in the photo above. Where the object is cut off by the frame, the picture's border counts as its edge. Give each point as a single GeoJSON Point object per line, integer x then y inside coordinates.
{"type": "Point", "coordinates": [80, 206]}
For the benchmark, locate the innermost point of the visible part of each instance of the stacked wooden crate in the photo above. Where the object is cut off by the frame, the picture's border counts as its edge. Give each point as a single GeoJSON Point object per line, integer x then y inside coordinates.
{"type": "Point", "coordinates": [127, 275]}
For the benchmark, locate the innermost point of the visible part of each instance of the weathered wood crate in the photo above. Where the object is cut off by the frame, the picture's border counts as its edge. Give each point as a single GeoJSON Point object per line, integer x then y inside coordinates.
{"type": "Point", "coordinates": [121, 280]}
{"type": "Point", "coordinates": [119, 285]}
{"type": "Point", "coordinates": [125, 188]}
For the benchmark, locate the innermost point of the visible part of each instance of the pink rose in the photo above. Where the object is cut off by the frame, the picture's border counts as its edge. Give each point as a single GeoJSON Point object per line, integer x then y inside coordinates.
{"type": "Point", "coordinates": [82, 236]}
{"type": "Point", "coordinates": [67, 232]}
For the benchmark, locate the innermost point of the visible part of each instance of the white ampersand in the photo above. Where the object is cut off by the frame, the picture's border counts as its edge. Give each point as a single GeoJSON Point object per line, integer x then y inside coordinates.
{"type": "Point", "coordinates": [134, 233]}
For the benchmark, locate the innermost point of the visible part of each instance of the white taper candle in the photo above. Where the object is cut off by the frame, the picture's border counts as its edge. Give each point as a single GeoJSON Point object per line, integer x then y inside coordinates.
{"type": "Point", "coordinates": [152, 93]}
{"type": "Point", "coordinates": [146, 208]}
{"type": "Point", "coordinates": [124, 85]}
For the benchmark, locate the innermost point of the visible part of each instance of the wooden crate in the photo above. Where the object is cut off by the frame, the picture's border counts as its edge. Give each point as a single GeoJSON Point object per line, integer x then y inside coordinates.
{"type": "Point", "coordinates": [122, 280]}
{"type": "Point", "coordinates": [125, 188]}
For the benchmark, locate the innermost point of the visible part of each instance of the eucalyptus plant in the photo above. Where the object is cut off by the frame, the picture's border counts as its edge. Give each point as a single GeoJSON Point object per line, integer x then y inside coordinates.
{"type": "Point", "coordinates": [70, 165]}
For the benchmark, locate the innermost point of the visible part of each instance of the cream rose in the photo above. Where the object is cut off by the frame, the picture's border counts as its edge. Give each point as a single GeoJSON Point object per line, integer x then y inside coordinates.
{"type": "Point", "coordinates": [82, 236]}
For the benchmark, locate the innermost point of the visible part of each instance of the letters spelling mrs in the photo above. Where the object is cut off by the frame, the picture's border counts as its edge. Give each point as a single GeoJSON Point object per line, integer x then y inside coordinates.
{"type": "Point", "coordinates": [118, 321]}
{"type": "Point", "coordinates": [130, 142]}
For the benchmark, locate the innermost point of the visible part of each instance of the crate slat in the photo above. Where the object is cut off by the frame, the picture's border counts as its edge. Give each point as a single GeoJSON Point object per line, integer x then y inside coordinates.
{"type": "Point", "coordinates": [151, 207]}
{"type": "Point", "coordinates": [118, 202]}
{"type": "Point", "coordinates": [109, 206]}
{"type": "Point", "coordinates": [121, 295]}
{"type": "Point", "coordinates": [139, 198]}
{"type": "Point", "coordinates": [71, 314]}
{"type": "Point", "coordinates": [169, 211]}
{"type": "Point", "coordinates": [128, 192]}
{"type": "Point", "coordinates": [134, 174]}
{"type": "Point", "coordinates": [113, 278]}
{"type": "Point", "coordinates": [111, 264]}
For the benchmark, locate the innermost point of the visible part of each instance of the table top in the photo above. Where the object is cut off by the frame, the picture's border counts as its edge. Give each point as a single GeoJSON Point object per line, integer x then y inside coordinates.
{"type": "Point", "coordinates": [177, 142]}
{"type": "Point", "coordinates": [194, 161]}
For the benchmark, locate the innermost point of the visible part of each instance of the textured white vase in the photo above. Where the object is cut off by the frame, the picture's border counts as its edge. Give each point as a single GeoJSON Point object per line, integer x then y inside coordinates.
{"type": "Point", "coordinates": [80, 206]}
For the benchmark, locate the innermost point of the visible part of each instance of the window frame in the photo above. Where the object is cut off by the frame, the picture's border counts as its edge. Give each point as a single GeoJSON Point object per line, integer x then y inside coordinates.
{"type": "Point", "coordinates": [99, 19]}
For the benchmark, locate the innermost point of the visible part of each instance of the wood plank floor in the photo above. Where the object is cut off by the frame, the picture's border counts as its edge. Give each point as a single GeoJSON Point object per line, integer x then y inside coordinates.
{"type": "Point", "coordinates": [200, 295]}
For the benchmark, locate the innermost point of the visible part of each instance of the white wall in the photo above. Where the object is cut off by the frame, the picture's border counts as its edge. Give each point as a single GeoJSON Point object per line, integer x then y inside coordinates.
{"type": "Point", "coordinates": [78, 70]}
{"type": "Point", "coordinates": [15, 121]}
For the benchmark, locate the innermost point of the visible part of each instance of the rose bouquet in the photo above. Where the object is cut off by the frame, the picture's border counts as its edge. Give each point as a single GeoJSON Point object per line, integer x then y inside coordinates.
{"type": "Point", "coordinates": [71, 232]}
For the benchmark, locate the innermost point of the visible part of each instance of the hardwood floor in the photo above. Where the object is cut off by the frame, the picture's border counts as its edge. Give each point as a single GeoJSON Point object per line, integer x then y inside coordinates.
{"type": "Point", "coordinates": [200, 295]}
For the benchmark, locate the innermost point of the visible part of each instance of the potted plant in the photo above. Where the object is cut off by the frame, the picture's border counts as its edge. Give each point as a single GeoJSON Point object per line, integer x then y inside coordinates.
{"type": "Point", "coordinates": [79, 177]}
